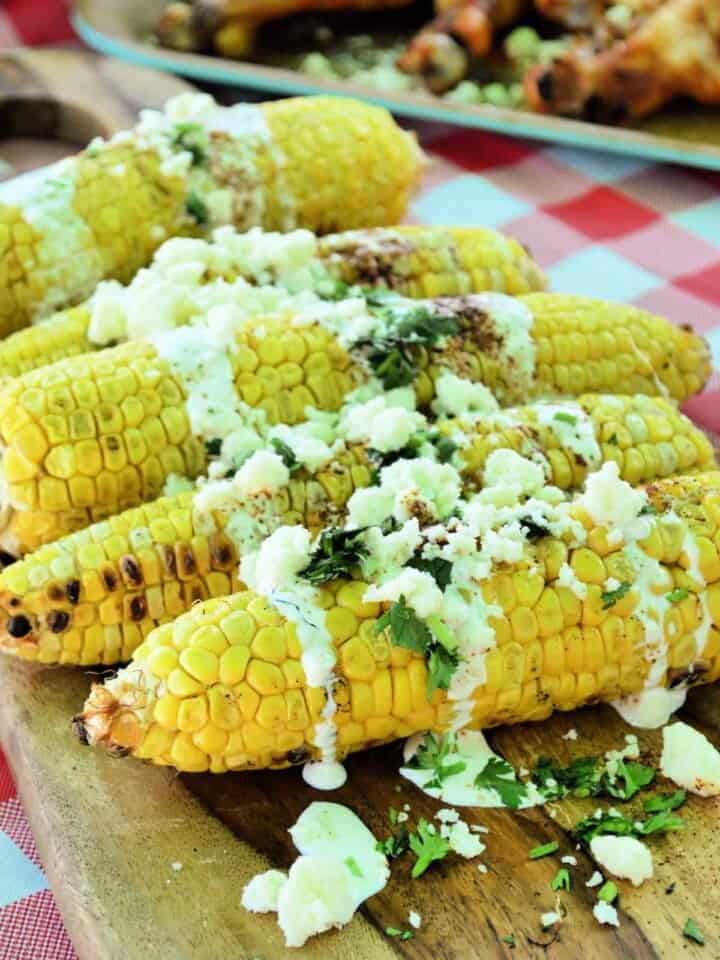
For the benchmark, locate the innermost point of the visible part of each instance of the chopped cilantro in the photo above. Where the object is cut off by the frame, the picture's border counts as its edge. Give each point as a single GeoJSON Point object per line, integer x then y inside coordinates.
{"type": "Point", "coordinates": [440, 570]}
{"type": "Point", "coordinates": [286, 454]}
{"type": "Point", "coordinates": [445, 448]}
{"type": "Point", "coordinates": [561, 880]}
{"type": "Point", "coordinates": [665, 801]}
{"type": "Point", "coordinates": [193, 138]}
{"type": "Point", "coordinates": [332, 289]}
{"type": "Point", "coordinates": [662, 822]}
{"type": "Point", "coordinates": [544, 850]}
{"type": "Point", "coordinates": [611, 597]}
{"type": "Point", "coordinates": [336, 554]}
{"type": "Point", "coordinates": [648, 509]}
{"type": "Point", "coordinates": [403, 934]}
{"type": "Point", "coordinates": [533, 531]}
{"type": "Point", "coordinates": [588, 777]}
{"type": "Point", "coordinates": [409, 631]}
{"type": "Point", "coordinates": [393, 357]}
{"type": "Point", "coordinates": [564, 417]}
{"type": "Point", "coordinates": [693, 932]}
{"type": "Point", "coordinates": [509, 940]}
{"type": "Point", "coordinates": [197, 208]}
{"type": "Point", "coordinates": [427, 847]}
{"type": "Point", "coordinates": [613, 439]}
{"type": "Point", "coordinates": [352, 865]}
{"type": "Point", "coordinates": [213, 446]}
{"type": "Point", "coordinates": [392, 816]}
{"type": "Point", "coordinates": [608, 892]}
{"type": "Point", "coordinates": [432, 754]}
{"type": "Point", "coordinates": [498, 775]}
{"type": "Point", "coordinates": [678, 594]}
{"type": "Point", "coordinates": [398, 842]}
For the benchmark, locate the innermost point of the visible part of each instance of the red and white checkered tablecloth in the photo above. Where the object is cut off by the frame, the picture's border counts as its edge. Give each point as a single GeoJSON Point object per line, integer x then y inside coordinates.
{"type": "Point", "coordinates": [599, 224]}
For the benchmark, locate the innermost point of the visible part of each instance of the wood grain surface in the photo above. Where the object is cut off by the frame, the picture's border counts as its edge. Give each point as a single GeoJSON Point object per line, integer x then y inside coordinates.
{"type": "Point", "coordinates": [109, 832]}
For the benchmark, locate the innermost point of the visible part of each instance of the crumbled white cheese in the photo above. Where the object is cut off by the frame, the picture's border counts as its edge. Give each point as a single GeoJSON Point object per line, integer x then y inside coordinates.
{"type": "Point", "coordinates": [567, 578]}
{"type": "Point", "coordinates": [508, 470]}
{"type": "Point", "coordinates": [177, 866]}
{"type": "Point", "coordinates": [388, 553]}
{"type": "Point", "coordinates": [419, 589]}
{"type": "Point", "coordinates": [310, 450]}
{"type": "Point", "coordinates": [550, 918]}
{"type": "Point", "coordinates": [264, 472]}
{"type": "Point", "coordinates": [606, 913]}
{"type": "Point", "coordinates": [447, 815]}
{"type": "Point", "coordinates": [175, 484]}
{"type": "Point", "coordinates": [595, 880]}
{"type": "Point", "coordinates": [407, 488]}
{"type": "Point", "coordinates": [414, 919]}
{"type": "Point", "coordinates": [281, 556]}
{"type": "Point", "coordinates": [572, 734]}
{"type": "Point", "coordinates": [690, 760]}
{"type": "Point", "coordinates": [574, 429]}
{"type": "Point", "coordinates": [338, 869]}
{"type": "Point", "coordinates": [461, 840]}
{"type": "Point", "coordinates": [455, 396]}
{"type": "Point", "coordinates": [611, 502]}
{"type": "Point", "coordinates": [382, 425]}
{"type": "Point", "coordinates": [261, 894]}
{"type": "Point", "coordinates": [624, 857]}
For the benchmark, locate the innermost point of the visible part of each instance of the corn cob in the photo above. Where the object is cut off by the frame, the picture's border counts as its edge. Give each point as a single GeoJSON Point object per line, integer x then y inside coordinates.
{"type": "Point", "coordinates": [222, 688]}
{"type": "Point", "coordinates": [92, 435]}
{"type": "Point", "coordinates": [280, 165]}
{"type": "Point", "coordinates": [74, 601]}
{"type": "Point", "coordinates": [414, 261]}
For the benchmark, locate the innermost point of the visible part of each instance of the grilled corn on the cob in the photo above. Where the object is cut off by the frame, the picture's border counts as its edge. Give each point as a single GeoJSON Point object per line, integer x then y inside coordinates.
{"type": "Point", "coordinates": [92, 596]}
{"type": "Point", "coordinates": [414, 261]}
{"type": "Point", "coordinates": [280, 165]}
{"type": "Point", "coordinates": [92, 435]}
{"type": "Point", "coordinates": [224, 687]}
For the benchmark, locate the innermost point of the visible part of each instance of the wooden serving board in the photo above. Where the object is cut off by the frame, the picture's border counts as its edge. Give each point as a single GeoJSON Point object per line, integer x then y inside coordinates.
{"type": "Point", "coordinates": [109, 832]}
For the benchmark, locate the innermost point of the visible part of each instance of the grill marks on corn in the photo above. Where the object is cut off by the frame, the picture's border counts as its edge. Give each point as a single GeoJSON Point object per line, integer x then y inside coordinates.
{"type": "Point", "coordinates": [115, 594]}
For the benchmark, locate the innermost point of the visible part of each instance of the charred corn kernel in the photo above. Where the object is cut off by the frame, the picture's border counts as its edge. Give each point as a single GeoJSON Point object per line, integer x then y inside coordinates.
{"type": "Point", "coordinates": [31, 466]}
{"type": "Point", "coordinates": [295, 171]}
{"type": "Point", "coordinates": [553, 655]}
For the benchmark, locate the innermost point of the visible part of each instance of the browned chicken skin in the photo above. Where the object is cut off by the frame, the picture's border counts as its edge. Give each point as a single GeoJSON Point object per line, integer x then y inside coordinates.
{"type": "Point", "coordinates": [673, 51]}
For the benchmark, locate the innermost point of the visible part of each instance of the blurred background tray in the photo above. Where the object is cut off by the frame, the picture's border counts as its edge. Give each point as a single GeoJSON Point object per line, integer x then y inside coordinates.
{"type": "Point", "coordinates": [686, 134]}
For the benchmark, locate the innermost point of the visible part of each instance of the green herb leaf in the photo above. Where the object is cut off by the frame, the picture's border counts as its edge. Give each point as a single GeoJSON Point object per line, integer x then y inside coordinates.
{"type": "Point", "coordinates": [432, 754]}
{"type": "Point", "coordinates": [393, 357]}
{"type": "Point", "coordinates": [620, 826]}
{"type": "Point", "coordinates": [440, 570]}
{"type": "Point", "coordinates": [613, 439]}
{"type": "Point", "coordinates": [213, 446]}
{"type": "Point", "coordinates": [352, 865]}
{"type": "Point", "coordinates": [286, 454]}
{"type": "Point", "coordinates": [427, 847]}
{"type": "Point", "coordinates": [392, 816]}
{"type": "Point", "coordinates": [409, 631]}
{"type": "Point", "coordinates": [336, 554]}
{"type": "Point", "coordinates": [533, 530]}
{"type": "Point", "coordinates": [544, 850]}
{"type": "Point", "coordinates": [648, 509]}
{"type": "Point", "coordinates": [197, 208]}
{"type": "Point", "coordinates": [581, 778]}
{"type": "Point", "coordinates": [678, 594]}
{"type": "Point", "coordinates": [634, 775]}
{"type": "Point", "coordinates": [395, 845]}
{"type": "Point", "coordinates": [693, 932]}
{"type": "Point", "coordinates": [442, 664]}
{"type": "Point", "coordinates": [564, 417]}
{"type": "Point", "coordinates": [445, 448]}
{"type": "Point", "coordinates": [608, 892]}
{"type": "Point", "coordinates": [406, 628]}
{"type": "Point", "coordinates": [665, 801]}
{"type": "Point", "coordinates": [561, 880]}
{"type": "Point", "coordinates": [193, 138]}
{"type": "Point", "coordinates": [496, 775]}
{"type": "Point", "coordinates": [509, 940]}
{"type": "Point", "coordinates": [611, 597]}
{"type": "Point", "coordinates": [392, 931]}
